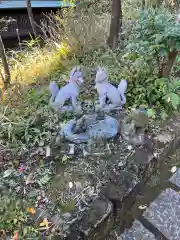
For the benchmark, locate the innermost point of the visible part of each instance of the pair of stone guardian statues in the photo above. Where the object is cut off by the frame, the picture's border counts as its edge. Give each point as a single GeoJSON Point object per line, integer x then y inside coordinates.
{"type": "Point", "coordinates": [110, 97]}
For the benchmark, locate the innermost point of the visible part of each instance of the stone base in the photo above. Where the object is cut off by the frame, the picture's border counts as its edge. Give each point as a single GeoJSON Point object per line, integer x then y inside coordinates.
{"type": "Point", "coordinates": [164, 214]}
{"type": "Point", "coordinates": [96, 222]}
{"type": "Point", "coordinates": [176, 178]}
{"type": "Point", "coordinates": [137, 232]}
{"type": "Point", "coordinates": [117, 190]}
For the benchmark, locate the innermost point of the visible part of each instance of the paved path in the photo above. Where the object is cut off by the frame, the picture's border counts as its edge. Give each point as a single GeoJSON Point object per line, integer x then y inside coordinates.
{"type": "Point", "coordinates": [161, 220]}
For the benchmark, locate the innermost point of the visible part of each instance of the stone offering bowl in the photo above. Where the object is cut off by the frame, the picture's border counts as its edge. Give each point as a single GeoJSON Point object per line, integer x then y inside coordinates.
{"type": "Point", "coordinates": [106, 128]}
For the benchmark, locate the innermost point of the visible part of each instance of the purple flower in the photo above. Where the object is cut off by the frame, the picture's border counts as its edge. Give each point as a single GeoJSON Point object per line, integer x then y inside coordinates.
{"type": "Point", "coordinates": [21, 168]}
{"type": "Point", "coordinates": [41, 206]}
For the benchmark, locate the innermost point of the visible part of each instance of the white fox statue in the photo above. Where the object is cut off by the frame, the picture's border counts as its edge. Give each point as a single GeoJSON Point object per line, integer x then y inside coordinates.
{"type": "Point", "coordinates": [69, 92]}
{"type": "Point", "coordinates": [106, 90]}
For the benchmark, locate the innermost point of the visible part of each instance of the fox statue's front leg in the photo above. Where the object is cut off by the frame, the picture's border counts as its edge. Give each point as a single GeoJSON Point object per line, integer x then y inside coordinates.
{"type": "Point", "coordinates": [102, 102]}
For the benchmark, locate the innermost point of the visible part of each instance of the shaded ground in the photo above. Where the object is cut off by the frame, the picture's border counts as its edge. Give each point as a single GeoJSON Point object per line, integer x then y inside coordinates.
{"type": "Point", "coordinates": [158, 182]}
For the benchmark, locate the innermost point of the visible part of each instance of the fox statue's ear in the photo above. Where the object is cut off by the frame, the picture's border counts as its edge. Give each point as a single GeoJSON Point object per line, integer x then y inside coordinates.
{"type": "Point", "coordinates": [74, 70]}
{"type": "Point", "coordinates": [101, 75]}
{"type": "Point", "coordinates": [78, 68]}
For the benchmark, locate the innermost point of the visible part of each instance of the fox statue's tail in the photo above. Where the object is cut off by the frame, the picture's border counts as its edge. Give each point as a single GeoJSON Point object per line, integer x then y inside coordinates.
{"type": "Point", "coordinates": [122, 87]}
{"type": "Point", "coordinates": [53, 88]}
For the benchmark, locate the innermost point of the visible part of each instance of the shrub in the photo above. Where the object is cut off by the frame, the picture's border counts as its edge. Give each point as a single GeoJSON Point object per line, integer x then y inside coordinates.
{"type": "Point", "coordinates": [149, 57]}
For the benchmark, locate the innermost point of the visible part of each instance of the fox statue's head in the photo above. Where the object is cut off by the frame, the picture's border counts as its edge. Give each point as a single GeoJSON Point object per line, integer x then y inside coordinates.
{"type": "Point", "coordinates": [101, 75]}
{"type": "Point", "coordinates": [76, 75]}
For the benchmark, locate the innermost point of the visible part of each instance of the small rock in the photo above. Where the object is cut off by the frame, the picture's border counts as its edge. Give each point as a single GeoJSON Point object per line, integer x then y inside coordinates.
{"type": "Point", "coordinates": [142, 207]}
{"type": "Point", "coordinates": [48, 151]}
{"type": "Point", "coordinates": [173, 169]}
{"type": "Point", "coordinates": [38, 198]}
{"type": "Point", "coordinates": [71, 151]}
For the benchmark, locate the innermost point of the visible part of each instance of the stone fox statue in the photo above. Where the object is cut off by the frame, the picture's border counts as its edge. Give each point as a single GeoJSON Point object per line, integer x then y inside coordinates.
{"type": "Point", "coordinates": [69, 92]}
{"type": "Point", "coordinates": [106, 90]}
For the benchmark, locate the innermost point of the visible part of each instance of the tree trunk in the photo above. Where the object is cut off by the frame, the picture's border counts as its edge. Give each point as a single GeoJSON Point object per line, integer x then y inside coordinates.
{"type": "Point", "coordinates": [157, 3]}
{"type": "Point", "coordinates": [116, 23]}
{"type": "Point", "coordinates": [167, 67]}
{"type": "Point", "coordinates": [143, 4]}
{"type": "Point", "coordinates": [7, 78]}
{"type": "Point", "coordinates": [31, 18]}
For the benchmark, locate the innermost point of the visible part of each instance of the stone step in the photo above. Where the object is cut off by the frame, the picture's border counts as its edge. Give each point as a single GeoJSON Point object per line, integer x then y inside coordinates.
{"type": "Point", "coordinates": [176, 178]}
{"type": "Point", "coordinates": [164, 214]}
{"type": "Point", "coordinates": [137, 232]}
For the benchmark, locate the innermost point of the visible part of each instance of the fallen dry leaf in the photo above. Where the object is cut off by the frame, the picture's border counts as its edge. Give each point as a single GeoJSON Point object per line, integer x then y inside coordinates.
{"type": "Point", "coordinates": [2, 231]}
{"type": "Point", "coordinates": [29, 178]}
{"type": "Point", "coordinates": [44, 223]}
{"type": "Point", "coordinates": [31, 210]}
{"type": "Point", "coordinates": [16, 235]}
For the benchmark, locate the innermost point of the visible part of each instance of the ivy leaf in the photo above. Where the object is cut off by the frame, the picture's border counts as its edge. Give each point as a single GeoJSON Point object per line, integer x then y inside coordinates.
{"type": "Point", "coordinates": [139, 62]}
{"type": "Point", "coordinates": [41, 143]}
{"type": "Point", "coordinates": [163, 52]}
{"type": "Point", "coordinates": [178, 46]}
{"type": "Point", "coordinates": [175, 100]}
{"type": "Point", "coordinates": [65, 159]}
{"type": "Point", "coordinates": [151, 112]}
{"type": "Point", "coordinates": [44, 179]}
{"type": "Point", "coordinates": [164, 115]}
{"type": "Point", "coordinates": [157, 37]}
{"type": "Point", "coordinates": [178, 59]}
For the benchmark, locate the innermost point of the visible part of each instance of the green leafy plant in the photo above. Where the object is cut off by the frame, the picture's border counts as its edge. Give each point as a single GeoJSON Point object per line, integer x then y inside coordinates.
{"type": "Point", "coordinates": [149, 58]}
{"type": "Point", "coordinates": [12, 212]}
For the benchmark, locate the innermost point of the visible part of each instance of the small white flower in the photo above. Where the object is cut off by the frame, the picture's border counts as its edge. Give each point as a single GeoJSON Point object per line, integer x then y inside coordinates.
{"type": "Point", "coordinates": [130, 147]}
{"type": "Point", "coordinates": [70, 185]}
{"type": "Point", "coordinates": [120, 164]}
{"type": "Point", "coordinates": [173, 169]}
